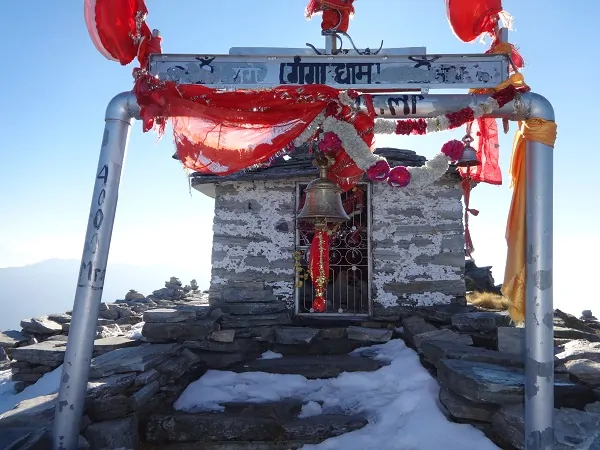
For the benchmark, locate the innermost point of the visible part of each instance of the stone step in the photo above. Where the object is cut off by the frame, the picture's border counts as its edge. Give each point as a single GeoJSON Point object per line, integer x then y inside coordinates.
{"type": "Point", "coordinates": [501, 385]}
{"type": "Point", "coordinates": [223, 428]}
{"type": "Point", "coordinates": [312, 367]}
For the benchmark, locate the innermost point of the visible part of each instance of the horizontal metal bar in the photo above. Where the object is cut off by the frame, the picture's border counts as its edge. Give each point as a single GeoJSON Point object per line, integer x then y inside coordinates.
{"type": "Point", "coordinates": [403, 106]}
{"type": "Point", "coordinates": [362, 72]}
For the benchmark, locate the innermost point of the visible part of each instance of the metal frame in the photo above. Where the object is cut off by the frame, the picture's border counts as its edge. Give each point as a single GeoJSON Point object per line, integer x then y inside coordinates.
{"type": "Point", "coordinates": [369, 191]}
{"type": "Point", "coordinates": [539, 358]}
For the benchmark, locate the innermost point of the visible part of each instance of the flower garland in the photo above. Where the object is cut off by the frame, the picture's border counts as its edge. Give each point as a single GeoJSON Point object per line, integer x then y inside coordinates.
{"type": "Point", "coordinates": [336, 130]}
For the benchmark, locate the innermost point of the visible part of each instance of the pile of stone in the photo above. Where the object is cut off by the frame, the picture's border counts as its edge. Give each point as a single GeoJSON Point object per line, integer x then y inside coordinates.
{"type": "Point", "coordinates": [39, 346]}
{"type": "Point", "coordinates": [478, 360]}
{"type": "Point", "coordinates": [479, 279]}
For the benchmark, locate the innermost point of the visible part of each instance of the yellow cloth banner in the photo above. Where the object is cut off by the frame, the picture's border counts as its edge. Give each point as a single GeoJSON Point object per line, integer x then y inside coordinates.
{"type": "Point", "coordinates": [537, 130]}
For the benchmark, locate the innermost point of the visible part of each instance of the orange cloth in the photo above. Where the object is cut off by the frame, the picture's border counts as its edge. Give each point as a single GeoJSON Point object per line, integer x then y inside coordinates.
{"type": "Point", "coordinates": [537, 130]}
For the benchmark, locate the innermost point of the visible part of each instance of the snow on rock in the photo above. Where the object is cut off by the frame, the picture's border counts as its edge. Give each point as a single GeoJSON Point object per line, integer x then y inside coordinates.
{"type": "Point", "coordinates": [311, 409]}
{"type": "Point", "coordinates": [48, 384]}
{"type": "Point", "coordinates": [399, 400]}
{"type": "Point", "coordinates": [270, 355]}
{"type": "Point", "coordinates": [136, 331]}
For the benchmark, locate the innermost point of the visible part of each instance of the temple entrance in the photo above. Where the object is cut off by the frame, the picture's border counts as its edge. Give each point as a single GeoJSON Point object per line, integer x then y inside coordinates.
{"type": "Point", "coordinates": [348, 290]}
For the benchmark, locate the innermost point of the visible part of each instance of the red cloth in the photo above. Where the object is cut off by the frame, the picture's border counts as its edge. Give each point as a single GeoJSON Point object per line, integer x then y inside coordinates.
{"type": "Point", "coordinates": [336, 13]}
{"type": "Point", "coordinates": [119, 25]}
{"type": "Point", "coordinates": [485, 133]}
{"type": "Point", "coordinates": [469, 19]}
{"type": "Point", "coordinates": [222, 132]}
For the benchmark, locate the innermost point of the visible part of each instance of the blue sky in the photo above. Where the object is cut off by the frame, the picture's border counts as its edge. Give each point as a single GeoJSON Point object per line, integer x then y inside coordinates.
{"type": "Point", "coordinates": [55, 86]}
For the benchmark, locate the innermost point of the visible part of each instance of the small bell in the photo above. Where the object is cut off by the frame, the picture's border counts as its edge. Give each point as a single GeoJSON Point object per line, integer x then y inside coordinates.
{"type": "Point", "coordinates": [323, 198]}
{"type": "Point", "coordinates": [469, 155]}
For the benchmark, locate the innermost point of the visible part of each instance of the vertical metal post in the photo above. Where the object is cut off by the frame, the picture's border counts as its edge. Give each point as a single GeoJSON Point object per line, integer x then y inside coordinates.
{"type": "Point", "coordinates": [331, 44]}
{"type": "Point", "coordinates": [539, 326]}
{"type": "Point", "coordinates": [82, 331]}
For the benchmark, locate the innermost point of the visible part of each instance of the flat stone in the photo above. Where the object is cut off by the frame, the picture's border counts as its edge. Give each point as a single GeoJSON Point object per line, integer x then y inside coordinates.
{"type": "Point", "coordinates": [142, 398]}
{"type": "Point", "coordinates": [234, 295]}
{"type": "Point", "coordinates": [414, 325]}
{"type": "Point", "coordinates": [108, 408]}
{"type": "Point", "coordinates": [253, 309]}
{"type": "Point", "coordinates": [332, 333]}
{"type": "Point", "coordinates": [442, 314]}
{"type": "Point", "coordinates": [114, 434]}
{"type": "Point", "coordinates": [461, 408]}
{"type": "Point", "coordinates": [12, 338]}
{"type": "Point", "coordinates": [579, 349]}
{"type": "Point", "coordinates": [441, 335]}
{"type": "Point", "coordinates": [487, 383]}
{"type": "Point", "coordinates": [295, 335]}
{"type": "Point", "coordinates": [38, 410]}
{"type": "Point", "coordinates": [570, 333]}
{"type": "Point", "coordinates": [218, 361]}
{"type": "Point", "coordinates": [146, 377]}
{"type": "Point", "coordinates": [511, 340]}
{"type": "Point", "coordinates": [108, 344]}
{"type": "Point", "coordinates": [28, 377]}
{"type": "Point", "coordinates": [109, 386]}
{"type": "Point", "coordinates": [180, 331]}
{"type": "Point", "coordinates": [41, 325]}
{"type": "Point", "coordinates": [585, 371]}
{"type": "Point", "coordinates": [312, 367]}
{"type": "Point", "coordinates": [180, 427]}
{"type": "Point", "coordinates": [168, 315]}
{"type": "Point", "coordinates": [434, 351]}
{"type": "Point", "coordinates": [573, 429]}
{"type": "Point", "coordinates": [47, 353]}
{"type": "Point", "coordinates": [319, 428]}
{"type": "Point", "coordinates": [222, 336]}
{"type": "Point", "coordinates": [60, 317]}
{"type": "Point", "coordinates": [239, 345]}
{"type": "Point", "coordinates": [255, 321]}
{"type": "Point", "coordinates": [131, 359]}
{"type": "Point", "coordinates": [571, 321]}
{"type": "Point", "coordinates": [482, 322]}
{"type": "Point", "coordinates": [174, 368]}
{"type": "Point", "coordinates": [286, 409]}
{"type": "Point", "coordinates": [363, 334]}
{"type": "Point", "coordinates": [110, 312]}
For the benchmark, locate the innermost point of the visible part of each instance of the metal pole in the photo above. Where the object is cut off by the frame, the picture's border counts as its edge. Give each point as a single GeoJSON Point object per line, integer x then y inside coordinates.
{"type": "Point", "coordinates": [539, 333]}
{"type": "Point", "coordinates": [73, 384]}
{"type": "Point", "coordinates": [415, 105]}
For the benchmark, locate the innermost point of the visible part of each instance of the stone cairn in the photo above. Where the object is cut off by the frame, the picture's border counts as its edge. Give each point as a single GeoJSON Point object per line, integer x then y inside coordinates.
{"type": "Point", "coordinates": [38, 348]}
{"type": "Point", "coordinates": [476, 355]}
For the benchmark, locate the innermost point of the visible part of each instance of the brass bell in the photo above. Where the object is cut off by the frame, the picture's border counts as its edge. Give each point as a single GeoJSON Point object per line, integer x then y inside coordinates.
{"type": "Point", "coordinates": [469, 155]}
{"type": "Point", "coordinates": [323, 198]}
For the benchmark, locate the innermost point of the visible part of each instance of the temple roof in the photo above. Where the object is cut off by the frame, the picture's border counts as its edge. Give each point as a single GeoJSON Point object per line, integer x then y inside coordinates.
{"type": "Point", "coordinates": [299, 164]}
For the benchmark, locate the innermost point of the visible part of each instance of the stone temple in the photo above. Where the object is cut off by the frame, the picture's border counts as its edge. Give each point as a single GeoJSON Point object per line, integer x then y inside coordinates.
{"type": "Point", "coordinates": [400, 249]}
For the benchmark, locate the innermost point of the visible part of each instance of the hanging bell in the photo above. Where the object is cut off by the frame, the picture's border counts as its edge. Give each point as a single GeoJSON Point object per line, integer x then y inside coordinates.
{"type": "Point", "coordinates": [323, 198]}
{"type": "Point", "coordinates": [469, 155]}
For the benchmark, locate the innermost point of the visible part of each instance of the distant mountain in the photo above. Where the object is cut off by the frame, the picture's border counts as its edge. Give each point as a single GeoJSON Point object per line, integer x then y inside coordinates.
{"type": "Point", "coordinates": [49, 286]}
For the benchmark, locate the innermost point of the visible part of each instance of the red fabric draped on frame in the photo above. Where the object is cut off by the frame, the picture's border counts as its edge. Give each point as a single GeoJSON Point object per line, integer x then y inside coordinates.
{"type": "Point", "coordinates": [224, 132]}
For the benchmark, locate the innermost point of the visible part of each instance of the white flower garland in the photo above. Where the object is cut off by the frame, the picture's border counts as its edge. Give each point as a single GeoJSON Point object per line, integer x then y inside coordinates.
{"type": "Point", "coordinates": [362, 155]}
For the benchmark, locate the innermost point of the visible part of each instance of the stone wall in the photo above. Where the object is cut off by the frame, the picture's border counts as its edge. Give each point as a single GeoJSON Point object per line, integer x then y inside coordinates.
{"type": "Point", "coordinates": [253, 237]}
{"type": "Point", "coordinates": [418, 246]}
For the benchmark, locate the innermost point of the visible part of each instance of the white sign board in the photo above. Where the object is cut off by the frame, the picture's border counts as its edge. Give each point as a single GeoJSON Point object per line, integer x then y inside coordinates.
{"type": "Point", "coordinates": [362, 72]}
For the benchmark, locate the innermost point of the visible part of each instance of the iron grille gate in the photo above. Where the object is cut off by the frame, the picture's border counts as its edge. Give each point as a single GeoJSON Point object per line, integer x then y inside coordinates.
{"type": "Point", "coordinates": [348, 290]}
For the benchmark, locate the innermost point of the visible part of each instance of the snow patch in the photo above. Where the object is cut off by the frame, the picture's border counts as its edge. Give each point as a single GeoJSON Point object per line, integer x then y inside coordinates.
{"type": "Point", "coordinates": [399, 401]}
